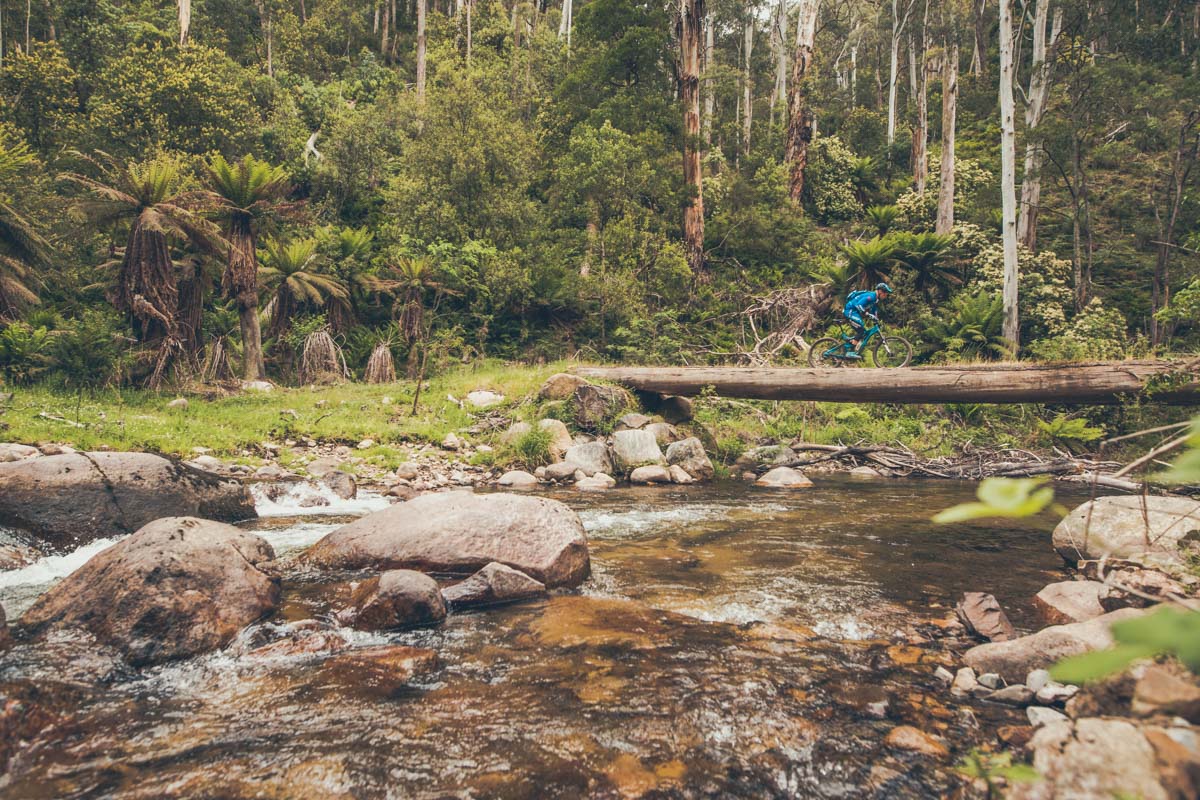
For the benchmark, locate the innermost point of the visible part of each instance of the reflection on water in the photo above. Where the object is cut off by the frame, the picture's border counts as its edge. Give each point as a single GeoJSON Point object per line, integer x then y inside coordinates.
{"type": "Point", "coordinates": [732, 642]}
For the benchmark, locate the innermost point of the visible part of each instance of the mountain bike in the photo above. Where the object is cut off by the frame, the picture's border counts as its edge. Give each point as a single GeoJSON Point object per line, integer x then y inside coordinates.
{"type": "Point", "coordinates": [885, 351]}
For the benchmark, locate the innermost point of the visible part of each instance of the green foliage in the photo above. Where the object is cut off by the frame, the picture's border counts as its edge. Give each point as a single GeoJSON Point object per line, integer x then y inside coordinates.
{"type": "Point", "coordinates": [1167, 631]}
{"type": "Point", "coordinates": [531, 449]}
{"type": "Point", "coordinates": [829, 183]}
{"type": "Point", "coordinates": [1095, 333]}
{"type": "Point", "coordinates": [992, 768]}
{"type": "Point", "coordinates": [1073, 432]}
{"type": "Point", "coordinates": [884, 218]}
{"type": "Point", "coordinates": [870, 261]}
{"type": "Point", "coordinates": [1044, 293]}
{"type": "Point", "coordinates": [1002, 497]}
{"type": "Point", "coordinates": [85, 355]}
{"type": "Point", "coordinates": [1186, 469]}
{"type": "Point", "coordinates": [927, 257]}
{"type": "Point", "coordinates": [970, 328]}
{"type": "Point", "coordinates": [24, 353]}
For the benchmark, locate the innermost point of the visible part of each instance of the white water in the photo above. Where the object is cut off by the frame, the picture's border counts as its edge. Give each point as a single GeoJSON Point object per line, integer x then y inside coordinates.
{"type": "Point", "coordinates": [643, 519]}
{"type": "Point", "coordinates": [323, 502]}
{"type": "Point", "coordinates": [51, 568]}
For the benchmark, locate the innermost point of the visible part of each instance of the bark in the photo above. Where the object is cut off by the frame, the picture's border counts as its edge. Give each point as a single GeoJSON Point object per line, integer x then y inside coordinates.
{"type": "Point", "coordinates": [185, 20]}
{"type": "Point", "coordinates": [920, 91]}
{"type": "Point", "coordinates": [709, 94]}
{"type": "Point", "coordinates": [146, 286]}
{"type": "Point", "coordinates": [1039, 93]}
{"type": "Point", "coordinates": [779, 47]}
{"type": "Point", "coordinates": [1008, 195]}
{"type": "Point", "coordinates": [800, 118]}
{"type": "Point", "coordinates": [383, 35]}
{"type": "Point", "coordinates": [979, 58]}
{"type": "Point", "coordinates": [1083, 384]}
{"type": "Point", "coordinates": [899, 22]}
{"type": "Point", "coordinates": [241, 283]}
{"type": "Point", "coordinates": [945, 205]}
{"type": "Point", "coordinates": [421, 4]}
{"type": "Point", "coordinates": [1182, 164]}
{"type": "Point", "coordinates": [854, 76]}
{"type": "Point", "coordinates": [568, 21]}
{"type": "Point", "coordinates": [691, 25]}
{"type": "Point", "coordinates": [747, 84]}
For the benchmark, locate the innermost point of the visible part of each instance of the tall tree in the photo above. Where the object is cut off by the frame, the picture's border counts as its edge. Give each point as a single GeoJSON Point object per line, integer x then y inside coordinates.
{"type": "Point", "coordinates": [251, 192]}
{"type": "Point", "coordinates": [800, 117]}
{"type": "Point", "coordinates": [779, 29]}
{"type": "Point", "coordinates": [945, 204]}
{"type": "Point", "coordinates": [918, 50]}
{"type": "Point", "coordinates": [690, 26]}
{"type": "Point", "coordinates": [1169, 201]}
{"type": "Point", "coordinates": [1008, 168]}
{"type": "Point", "coordinates": [1040, 70]}
{"type": "Point", "coordinates": [900, 19]}
{"type": "Point", "coordinates": [747, 78]}
{"type": "Point", "coordinates": [185, 20]}
{"type": "Point", "coordinates": [421, 10]}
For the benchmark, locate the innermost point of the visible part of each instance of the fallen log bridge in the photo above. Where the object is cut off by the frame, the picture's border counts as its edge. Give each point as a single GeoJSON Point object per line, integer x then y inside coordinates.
{"type": "Point", "coordinates": [1176, 383]}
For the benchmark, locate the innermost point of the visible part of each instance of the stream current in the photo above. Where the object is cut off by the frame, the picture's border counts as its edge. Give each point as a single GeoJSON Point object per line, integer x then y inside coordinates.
{"type": "Point", "coordinates": [731, 642]}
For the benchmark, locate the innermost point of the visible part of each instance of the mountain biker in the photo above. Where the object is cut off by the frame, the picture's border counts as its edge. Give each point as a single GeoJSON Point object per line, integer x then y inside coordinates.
{"type": "Point", "coordinates": [863, 303]}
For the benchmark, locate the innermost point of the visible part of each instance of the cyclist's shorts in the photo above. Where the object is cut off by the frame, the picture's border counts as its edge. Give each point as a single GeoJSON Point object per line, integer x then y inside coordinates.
{"type": "Point", "coordinates": [856, 318]}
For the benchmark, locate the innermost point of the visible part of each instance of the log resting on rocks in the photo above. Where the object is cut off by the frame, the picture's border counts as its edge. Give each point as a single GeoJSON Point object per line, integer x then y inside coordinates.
{"type": "Point", "coordinates": [399, 598]}
{"type": "Point", "coordinates": [492, 585]}
{"type": "Point", "coordinates": [1013, 659]}
{"type": "Point", "coordinates": [178, 587]}
{"type": "Point", "coordinates": [1151, 530]}
{"type": "Point", "coordinates": [73, 498]}
{"type": "Point", "coordinates": [458, 533]}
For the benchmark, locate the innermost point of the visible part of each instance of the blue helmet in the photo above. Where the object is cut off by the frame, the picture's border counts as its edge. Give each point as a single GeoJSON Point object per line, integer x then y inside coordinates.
{"type": "Point", "coordinates": [883, 287]}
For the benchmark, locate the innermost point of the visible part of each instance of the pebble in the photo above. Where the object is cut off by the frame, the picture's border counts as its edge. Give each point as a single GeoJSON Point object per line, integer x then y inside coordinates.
{"type": "Point", "coordinates": [1036, 679]}
{"type": "Point", "coordinates": [964, 682]}
{"type": "Point", "coordinates": [366, 444]}
{"type": "Point", "coordinates": [990, 679]}
{"type": "Point", "coordinates": [944, 675]}
{"type": "Point", "coordinates": [1016, 695]}
{"type": "Point", "coordinates": [1053, 693]}
{"type": "Point", "coordinates": [1039, 716]}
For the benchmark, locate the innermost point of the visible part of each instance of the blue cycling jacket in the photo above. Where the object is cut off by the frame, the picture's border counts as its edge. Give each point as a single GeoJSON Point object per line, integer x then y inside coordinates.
{"type": "Point", "coordinates": [861, 301]}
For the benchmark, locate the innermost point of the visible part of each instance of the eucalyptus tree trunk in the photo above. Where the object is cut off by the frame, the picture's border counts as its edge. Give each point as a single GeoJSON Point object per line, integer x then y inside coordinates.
{"type": "Point", "coordinates": [898, 24]}
{"type": "Point", "coordinates": [779, 48]}
{"type": "Point", "coordinates": [800, 118]}
{"type": "Point", "coordinates": [1008, 168]}
{"type": "Point", "coordinates": [747, 84]}
{"type": "Point", "coordinates": [421, 4]}
{"type": "Point", "coordinates": [185, 20]}
{"type": "Point", "coordinates": [1039, 92]}
{"type": "Point", "coordinates": [945, 205]}
{"type": "Point", "coordinates": [567, 22]}
{"type": "Point", "coordinates": [709, 94]}
{"type": "Point", "coordinates": [919, 75]}
{"type": "Point", "coordinates": [691, 25]}
{"type": "Point", "coordinates": [979, 57]}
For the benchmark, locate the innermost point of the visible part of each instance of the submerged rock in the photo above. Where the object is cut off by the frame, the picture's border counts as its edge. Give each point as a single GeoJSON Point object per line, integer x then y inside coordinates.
{"type": "Point", "coordinates": [1152, 530]}
{"type": "Point", "coordinates": [178, 587]}
{"type": "Point", "coordinates": [459, 533]}
{"type": "Point", "coordinates": [982, 614]}
{"type": "Point", "coordinates": [341, 483]}
{"type": "Point", "coordinates": [690, 456]}
{"type": "Point", "coordinates": [383, 668]}
{"type": "Point", "coordinates": [73, 498]}
{"type": "Point", "coordinates": [784, 478]}
{"type": "Point", "coordinates": [398, 598]}
{"type": "Point", "coordinates": [1014, 658]}
{"type": "Point", "coordinates": [492, 585]}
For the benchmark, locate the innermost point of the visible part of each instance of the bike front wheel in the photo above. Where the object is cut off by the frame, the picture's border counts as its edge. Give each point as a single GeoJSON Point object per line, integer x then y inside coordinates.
{"type": "Point", "coordinates": [826, 353]}
{"type": "Point", "coordinates": [892, 352]}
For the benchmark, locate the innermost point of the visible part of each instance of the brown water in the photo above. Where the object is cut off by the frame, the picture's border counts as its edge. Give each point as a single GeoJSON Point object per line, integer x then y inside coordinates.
{"type": "Point", "coordinates": [732, 642]}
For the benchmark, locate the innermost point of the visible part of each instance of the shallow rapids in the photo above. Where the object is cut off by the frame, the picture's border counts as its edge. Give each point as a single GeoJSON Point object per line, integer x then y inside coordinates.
{"type": "Point", "coordinates": [731, 642]}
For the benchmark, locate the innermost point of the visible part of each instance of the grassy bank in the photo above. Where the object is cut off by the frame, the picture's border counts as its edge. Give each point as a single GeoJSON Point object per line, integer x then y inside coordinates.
{"type": "Point", "coordinates": [235, 426]}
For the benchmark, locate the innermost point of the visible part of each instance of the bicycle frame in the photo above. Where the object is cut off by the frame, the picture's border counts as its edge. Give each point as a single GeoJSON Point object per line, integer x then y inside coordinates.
{"type": "Point", "coordinates": [846, 347]}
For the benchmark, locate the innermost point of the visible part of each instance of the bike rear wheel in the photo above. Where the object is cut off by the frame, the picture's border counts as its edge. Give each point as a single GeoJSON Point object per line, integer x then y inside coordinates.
{"type": "Point", "coordinates": [892, 352]}
{"type": "Point", "coordinates": [820, 355]}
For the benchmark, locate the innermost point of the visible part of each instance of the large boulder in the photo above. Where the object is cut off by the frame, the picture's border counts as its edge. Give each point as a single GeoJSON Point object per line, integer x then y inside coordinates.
{"type": "Point", "coordinates": [1151, 530]}
{"type": "Point", "coordinates": [597, 405]}
{"type": "Point", "coordinates": [16, 452]}
{"type": "Point", "coordinates": [635, 448]}
{"type": "Point", "coordinates": [590, 457]}
{"type": "Point", "coordinates": [689, 454]}
{"type": "Point", "coordinates": [178, 587]}
{"type": "Point", "coordinates": [76, 497]}
{"type": "Point", "coordinates": [560, 386]}
{"type": "Point", "coordinates": [492, 585]}
{"type": "Point", "coordinates": [399, 598]}
{"type": "Point", "coordinates": [1070, 601]}
{"type": "Point", "coordinates": [1110, 758]}
{"type": "Point", "coordinates": [458, 533]}
{"type": "Point", "coordinates": [1015, 658]}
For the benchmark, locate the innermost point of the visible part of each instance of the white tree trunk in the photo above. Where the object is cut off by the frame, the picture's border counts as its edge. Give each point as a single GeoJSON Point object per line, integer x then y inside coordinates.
{"type": "Point", "coordinates": [898, 24]}
{"type": "Point", "coordinates": [1008, 168]}
{"type": "Point", "coordinates": [1039, 92]}
{"type": "Point", "coordinates": [779, 26]}
{"type": "Point", "coordinates": [709, 94]}
{"type": "Point", "coordinates": [854, 76]}
{"type": "Point", "coordinates": [421, 4]}
{"type": "Point", "coordinates": [747, 85]}
{"type": "Point", "coordinates": [185, 20]}
{"type": "Point", "coordinates": [945, 206]}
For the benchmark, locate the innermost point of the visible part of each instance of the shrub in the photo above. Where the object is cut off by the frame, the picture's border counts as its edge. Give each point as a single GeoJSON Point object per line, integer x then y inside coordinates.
{"type": "Point", "coordinates": [829, 181]}
{"type": "Point", "coordinates": [531, 449]}
{"type": "Point", "coordinates": [85, 356]}
{"type": "Point", "coordinates": [970, 327]}
{"type": "Point", "coordinates": [970, 179]}
{"type": "Point", "coordinates": [883, 217]}
{"type": "Point", "coordinates": [1095, 333]}
{"type": "Point", "coordinates": [24, 353]}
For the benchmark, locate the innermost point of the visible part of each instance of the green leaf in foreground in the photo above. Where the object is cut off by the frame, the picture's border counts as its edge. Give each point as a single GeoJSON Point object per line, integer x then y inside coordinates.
{"type": "Point", "coordinates": [1002, 497]}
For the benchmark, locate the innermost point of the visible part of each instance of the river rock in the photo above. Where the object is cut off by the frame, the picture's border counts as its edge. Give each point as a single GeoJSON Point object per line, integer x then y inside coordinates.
{"type": "Point", "coordinates": [906, 737]}
{"type": "Point", "coordinates": [560, 386]}
{"type": "Point", "coordinates": [408, 471]}
{"type": "Point", "coordinates": [596, 405]}
{"type": "Point", "coordinates": [560, 437]}
{"type": "Point", "coordinates": [1014, 658]}
{"type": "Point", "coordinates": [680, 475]}
{"type": "Point", "coordinates": [1165, 689]}
{"type": "Point", "coordinates": [5, 637]}
{"type": "Point", "coordinates": [784, 478]}
{"type": "Point", "coordinates": [1016, 695]}
{"type": "Point", "coordinates": [1147, 529]}
{"type": "Point", "coordinates": [15, 556]}
{"type": "Point", "coordinates": [381, 668]}
{"type": "Point", "coordinates": [341, 483]}
{"type": "Point", "coordinates": [767, 455]}
{"type": "Point", "coordinates": [1040, 716]}
{"type": "Point", "coordinates": [964, 683]}
{"type": "Point", "coordinates": [1070, 601]}
{"type": "Point", "coordinates": [1140, 584]}
{"type": "Point", "coordinates": [178, 587]}
{"type": "Point", "coordinates": [982, 615]}
{"type": "Point", "coordinates": [258, 386]}
{"type": "Point", "coordinates": [178, 402]}
{"type": "Point", "coordinates": [637, 448]}
{"type": "Point", "coordinates": [689, 454]}
{"type": "Point", "coordinates": [459, 533]}
{"type": "Point", "coordinates": [591, 457]}
{"type": "Point", "coordinates": [492, 585]}
{"type": "Point", "coordinates": [644, 476]}
{"type": "Point", "coordinates": [633, 421]}
{"type": "Point", "coordinates": [1101, 758]}
{"type": "Point", "coordinates": [398, 598]}
{"type": "Point", "coordinates": [517, 479]}
{"type": "Point", "coordinates": [320, 467]}
{"type": "Point", "coordinates": [865, 473]}
{"type": "Point", "coordinates": [562, 471]}
{"type": "Point", "coordinates": [76, 497]}
{"type": "Point", "coordinates": [595, 483]}
{"type": "Point", "coordinates": [17, 452]}
{"type": "Point", "coordinates": [664, 433]}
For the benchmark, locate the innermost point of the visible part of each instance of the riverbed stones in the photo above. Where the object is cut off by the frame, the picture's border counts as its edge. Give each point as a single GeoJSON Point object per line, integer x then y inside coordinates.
{"type": "Point", "coordinates": [964, 683]}
{"type": "Point", "coordinates": [906, 737]}
{"type": "Point", "coordinates": [408, 471]}
{"type": "Point", "coordinates": [1040, 716]}
{"type": "Point", "coordinates": [590, 457]}
{"type": "Point", "coordinates": [600, 482]}
{"type": "Point", "coordinates": [560, 437]}
{"type": "Point", "coordinates": [459, 533]}
{"type": "Point", "coordinates": [1017, 694]}
{"type": "Point", "coordinates": [680, 475]}
{"type": "Point", "coordinates": [341, 484]}
{"type": "Point", "coordinates": [767, 455]}
{"type": "Point", "coordinates": [398, 598]}
{"type": "Point", "coordinates": [664, 432]}
{"type": "Point", "coordinates": [382, 668]}
{"type": "Point", "coordinates": [689, 454]}
{"type": "Point", "coordinates": [515, 432]}
{"type": "Point", "coordinates": [633, 421]}
{"type": "Point", "coordinates": [178, 587]}
{"type": "Point", "coordinates": [493, 585]}
{"type": "Point", "coordinates": [644, 476]}
{"type": "Point", "coordinates": [76, 497]}
{"type": "Point", "coordinates": [597, 405]}
{"type": "Point", "coordinates": [1147, 529]}
{"type": "Point", "coordinates": [562, 471]}
{"type": "Point", "coordinates": [517, 479]}
{"type": "Point", "coordinates": [983, 616]}
{"type": "Point", "coordinates": [1014, 658]}
{"type": "Point", "coordinates": [784, 478]}
{"type": "Point", "coordinates": [865, 473]}
{"type": "Point", "coordinates": [1165, 689]}
{"type": "Point", "coordinates": [560, 386]}
{"type": "Point", "coordinates": [635, 448]}
{"type": "Point", "coordinates": [1070, 601]}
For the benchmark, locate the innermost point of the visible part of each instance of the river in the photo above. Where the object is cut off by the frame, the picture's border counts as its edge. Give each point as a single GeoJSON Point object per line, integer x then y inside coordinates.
{"type": "Point", "coordinates": [731, 642]}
